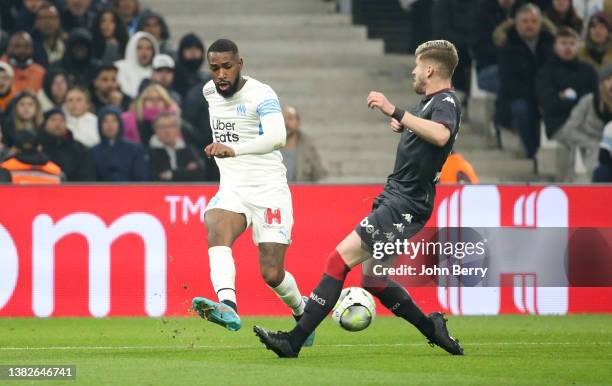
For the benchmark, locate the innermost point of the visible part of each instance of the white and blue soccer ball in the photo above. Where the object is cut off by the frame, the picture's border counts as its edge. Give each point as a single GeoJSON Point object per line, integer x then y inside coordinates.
{"type": "Point", "coordinates": [355, 309]}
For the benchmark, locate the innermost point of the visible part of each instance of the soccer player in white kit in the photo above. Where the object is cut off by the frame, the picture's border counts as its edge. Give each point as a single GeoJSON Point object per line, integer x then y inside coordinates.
{"type": "Point", "coordinates": [248, 129]}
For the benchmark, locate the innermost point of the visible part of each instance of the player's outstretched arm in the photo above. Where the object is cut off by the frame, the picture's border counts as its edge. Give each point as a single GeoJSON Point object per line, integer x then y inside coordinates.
{"type": "Point", "coordinates": [273, 137]}
{"type": "Point", "coordinates": [433, 132]}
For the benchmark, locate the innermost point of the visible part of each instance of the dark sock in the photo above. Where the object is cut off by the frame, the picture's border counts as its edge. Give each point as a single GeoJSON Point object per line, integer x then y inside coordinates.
{"type": "Point", "coordinates": [398, 300]}
{"type": "Point", "coordinates": [230, 303]}
{"type": "Point", "coordinates": [322, 299]}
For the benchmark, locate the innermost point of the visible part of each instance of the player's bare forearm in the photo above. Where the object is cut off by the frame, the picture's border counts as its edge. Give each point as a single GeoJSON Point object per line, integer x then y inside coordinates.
{"type": "Point", "coordinates": [433, 132]}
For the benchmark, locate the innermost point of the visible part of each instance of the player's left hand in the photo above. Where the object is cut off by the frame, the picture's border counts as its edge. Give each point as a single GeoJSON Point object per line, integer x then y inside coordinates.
{"type": "Point", "coordinates": [379, 100]}
{"type": "Point", "coordinates": [219, 150]}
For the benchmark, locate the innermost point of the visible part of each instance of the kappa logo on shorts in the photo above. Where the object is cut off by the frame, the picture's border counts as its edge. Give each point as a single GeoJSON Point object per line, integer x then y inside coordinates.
{"type": "Point", "coordinates": [273, 216]}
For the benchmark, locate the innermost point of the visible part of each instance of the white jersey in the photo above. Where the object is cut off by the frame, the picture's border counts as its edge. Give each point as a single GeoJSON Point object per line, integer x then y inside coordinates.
{"type": "Point", "coordinates": [236, 120]}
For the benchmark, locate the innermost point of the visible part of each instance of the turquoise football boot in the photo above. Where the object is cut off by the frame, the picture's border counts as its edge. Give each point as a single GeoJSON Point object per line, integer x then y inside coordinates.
{"type": "Point", "coordinates": [218, 313]}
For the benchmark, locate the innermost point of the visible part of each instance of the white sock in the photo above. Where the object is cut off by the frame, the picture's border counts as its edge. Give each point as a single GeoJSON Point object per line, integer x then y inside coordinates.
{"type": "Point", "coordinates": [223, 273]}
{"type": "Point", "coordinates": [289, 293]}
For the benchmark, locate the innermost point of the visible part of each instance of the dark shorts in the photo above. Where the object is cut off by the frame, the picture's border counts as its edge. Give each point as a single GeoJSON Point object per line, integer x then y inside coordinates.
{"type": "Point", "coordinates": [389, 221]}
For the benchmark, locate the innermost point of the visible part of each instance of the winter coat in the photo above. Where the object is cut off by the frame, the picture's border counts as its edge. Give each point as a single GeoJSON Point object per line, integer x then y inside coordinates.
{"type": "Point", "coordinates": [160, 161]}
{"type": "Point", "coordinates": [555, 77]}
{"type": "Point", "coordinates": [70, 155]}
{"type": "Point", "coordinates": [118, 160]}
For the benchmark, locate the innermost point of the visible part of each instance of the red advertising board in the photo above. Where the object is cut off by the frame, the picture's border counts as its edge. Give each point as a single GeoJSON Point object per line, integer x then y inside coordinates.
{"type": "Point", "coordinates": [142, 251]}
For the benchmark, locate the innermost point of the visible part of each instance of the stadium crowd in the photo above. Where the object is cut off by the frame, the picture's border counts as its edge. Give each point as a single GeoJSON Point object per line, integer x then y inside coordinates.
{"type": "Point", "coordinates": [97, 88]}
{"type": "Point", "coordinates": [546, 61]}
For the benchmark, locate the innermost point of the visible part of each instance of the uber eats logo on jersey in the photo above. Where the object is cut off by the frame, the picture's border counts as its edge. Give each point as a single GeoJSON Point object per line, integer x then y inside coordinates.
{"type": "Point", "coordinates": [224, 131]}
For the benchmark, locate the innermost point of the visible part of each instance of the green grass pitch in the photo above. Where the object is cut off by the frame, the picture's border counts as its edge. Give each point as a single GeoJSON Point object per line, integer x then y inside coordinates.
{"type": "Point", "coordinates": [517, 350]}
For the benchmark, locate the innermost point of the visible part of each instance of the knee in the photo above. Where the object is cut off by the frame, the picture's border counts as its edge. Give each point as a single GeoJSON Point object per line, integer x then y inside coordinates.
{"type": "Point", "coordinates": [273, 276]}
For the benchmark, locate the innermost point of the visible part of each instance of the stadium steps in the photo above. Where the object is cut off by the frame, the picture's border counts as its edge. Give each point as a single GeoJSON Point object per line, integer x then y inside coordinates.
{"type": "Point", "coordinates": [325, 66]}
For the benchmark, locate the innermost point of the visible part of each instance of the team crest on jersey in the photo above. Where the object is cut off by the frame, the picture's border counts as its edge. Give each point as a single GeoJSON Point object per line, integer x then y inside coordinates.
{"type": "Point", "coordinates": [241, 109]}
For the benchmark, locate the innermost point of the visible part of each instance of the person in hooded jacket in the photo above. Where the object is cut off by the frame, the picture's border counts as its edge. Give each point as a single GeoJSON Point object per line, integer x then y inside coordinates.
{"type": "Point", "coordinates": [155, 24]}
{"type": "Point", "coordinates": [190, 59]}
{"type": "Point", "coordinates": [597, 48]}
{"type": "Point", "coordinates": [115, 158]}
{"type": "Point", "coordinates": [70, 155]}
{"type": "Point", "coordinates": [137, 64]}
{"type": "Point", "coordinates": [78, 60]}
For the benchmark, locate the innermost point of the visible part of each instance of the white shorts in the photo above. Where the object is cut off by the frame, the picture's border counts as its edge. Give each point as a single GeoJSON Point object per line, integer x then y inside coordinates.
{"type": "Point", "coordinates": [267, 207]}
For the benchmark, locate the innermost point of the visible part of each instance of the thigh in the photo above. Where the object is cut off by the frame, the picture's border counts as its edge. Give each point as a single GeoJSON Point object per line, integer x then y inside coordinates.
{"type": "Point", "coordinates": [224, 226]}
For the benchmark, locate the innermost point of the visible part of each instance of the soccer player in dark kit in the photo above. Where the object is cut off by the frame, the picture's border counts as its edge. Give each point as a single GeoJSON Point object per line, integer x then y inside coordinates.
{"type": "Point", "coordinates": [428, 133]}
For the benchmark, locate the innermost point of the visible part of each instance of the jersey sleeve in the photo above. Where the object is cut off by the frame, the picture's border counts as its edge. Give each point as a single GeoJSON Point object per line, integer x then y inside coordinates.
{"type": "Point", "coordinates": [445, 112]}
{"type": "Point", "coordinates": [272, 132]}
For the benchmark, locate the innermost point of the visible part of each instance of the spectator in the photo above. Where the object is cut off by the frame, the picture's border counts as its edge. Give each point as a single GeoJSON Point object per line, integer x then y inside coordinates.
{"type": "Point", "coordinates": [28, 75]}
{"type": "Point", "coordinates": [49, 48]}
{"type": "Point", "coordinates": [457, 170]}
{"type": "Point", "coordinates": [597, 49]}
{"type": "Point", "coordinates": [155, 24]}
{"type": "Point", "coordinates": [489, 14]}
{"type": "Point", "coordinates": [195, 113]}
{"type": "Point", "coordinates": [562, 81]}
{"type": "Point", "coordinates": [603, 171]}
{"type": "Point", "coordinates": [563, 14]}
{"type": "Point", "coordinates": [129, 11]}
{"type": "Point", "coordinates": [81, 122]}
{"type": "Point", "coordinates": [452, 20]}
{"type": "Point", "coordinates": [170, 158]}
{"type": "Point", "coordinates": [25, 114]}
{"type": "Point", "coordinates": [109, 37]}
{"type": "Point", "coordinates": [78, 14]}
{"type": "Point", "coordinates": [115, 158]}
{"type": "Point", "coordinates": [53, 92]}
{"type": "Point", "coordinates": [78, 59]}
{"type": "Point", "coordinates": [163, 74]}
{"type": "Point", "coordinates": [137, 65]}
{"type": "Point", "coordinates": [524, 47]}
{"type": "Point", "coordinates": [300, 155]}
{"type": "Point", "coordinates": [26, 14]}
{"type": "Point", "coordinates": [70, 155]}
{"type": "Point", "coordinates": [7, 89]}
{"type": "Point", "coordinates": [106, 89]}
{"type": "Point", "coordinates": [29, 165]}
{"type": "Point", "coordinates": [190, 59]}
{"type": "Point", "coordinates": [584, 128]}
{"type": "Point", "coordinates": [138, 122]}
{"type": "Point", "coordinates": [5, 152]}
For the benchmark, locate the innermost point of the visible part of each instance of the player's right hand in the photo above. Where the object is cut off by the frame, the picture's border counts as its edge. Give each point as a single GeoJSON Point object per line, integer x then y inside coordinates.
{"type": "Point", "coordinates": [218, 150]}
{"type": "Point", "coordinates": [396, 126]}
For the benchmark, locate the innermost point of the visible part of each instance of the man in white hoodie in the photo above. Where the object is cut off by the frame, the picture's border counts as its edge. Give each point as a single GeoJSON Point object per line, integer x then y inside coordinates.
{"type": "Point", "coordinates": [137, 64]}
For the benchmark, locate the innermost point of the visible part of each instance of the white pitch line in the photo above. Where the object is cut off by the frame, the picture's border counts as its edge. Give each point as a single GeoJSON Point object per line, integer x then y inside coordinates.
{"type": "Point", "coordinates": [238, 347]}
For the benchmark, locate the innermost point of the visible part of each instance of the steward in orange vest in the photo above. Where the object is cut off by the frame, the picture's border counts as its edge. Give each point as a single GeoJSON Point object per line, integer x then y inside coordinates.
{"type": "Point", "coordinates": [29, 165]}
{"type": "Point", "coordinates": [457, 170]}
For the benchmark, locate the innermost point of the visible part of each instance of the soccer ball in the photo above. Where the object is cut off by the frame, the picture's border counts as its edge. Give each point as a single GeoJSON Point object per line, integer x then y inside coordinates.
{"type": "Point", "coordinates": [355, 309]}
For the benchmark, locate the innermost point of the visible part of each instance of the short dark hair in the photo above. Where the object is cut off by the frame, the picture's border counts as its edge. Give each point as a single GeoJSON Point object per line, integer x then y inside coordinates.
{"type": "Point", "coordinates": [104, 67]}
{"type": "Point", "coordinates": [223, 45]}
{"type": "Point", "coordinates": [566, 32]}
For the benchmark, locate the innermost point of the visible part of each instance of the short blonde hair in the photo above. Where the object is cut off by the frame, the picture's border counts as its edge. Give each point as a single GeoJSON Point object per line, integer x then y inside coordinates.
{"type": "Point", "coordinates": [442, 52]}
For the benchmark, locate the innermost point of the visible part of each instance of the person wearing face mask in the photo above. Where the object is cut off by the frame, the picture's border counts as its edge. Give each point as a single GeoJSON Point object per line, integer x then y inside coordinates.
{"type": "Point", "coordinates": [138, 121]}
{"type": "Point", "coordinates": [78, 59]}
{"type": "Point", "coordinates": [190, 59]}
{"type": "Point", "coordinates": [137, 64]}
{"type": "Point", "coordinates": [28, 75]}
